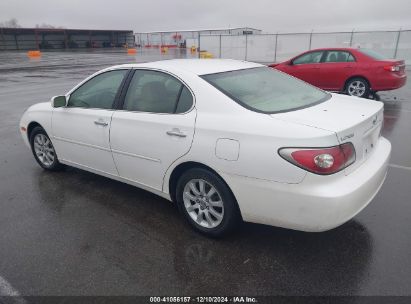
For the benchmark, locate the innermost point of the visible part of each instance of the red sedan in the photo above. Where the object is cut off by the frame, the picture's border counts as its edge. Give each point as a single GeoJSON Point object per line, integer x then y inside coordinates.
{"type": "Point", "coordinates": [357, 72]}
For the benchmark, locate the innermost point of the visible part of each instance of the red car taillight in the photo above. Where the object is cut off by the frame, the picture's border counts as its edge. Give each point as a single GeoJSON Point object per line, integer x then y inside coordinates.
{"type": "Point", "coordinates": [392, 68]}
{"type": "Point", "coordinates": [321, 160]}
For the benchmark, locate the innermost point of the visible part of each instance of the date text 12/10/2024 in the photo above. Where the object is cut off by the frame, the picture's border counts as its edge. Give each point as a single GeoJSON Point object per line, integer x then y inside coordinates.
{"type": "Point", "coordinates": [207, 299]}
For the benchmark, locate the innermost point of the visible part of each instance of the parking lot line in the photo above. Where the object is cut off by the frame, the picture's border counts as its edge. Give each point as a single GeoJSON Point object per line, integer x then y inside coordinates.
{"type": "Point", "coordinates": [400, 110]}
{"type": "Point", "coordinates": [6, 289]}
{"type": "Point", "coordinates": [400, 167]}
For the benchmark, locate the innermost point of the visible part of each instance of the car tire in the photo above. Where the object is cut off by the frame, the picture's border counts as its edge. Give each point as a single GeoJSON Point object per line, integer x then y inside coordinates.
{"type": "Point", "coordinates": [374, 96]}
{"type": "Point", "coordinates": [358, 87]}
{"type": "Point", "coordinates": [207, 203]}
{"type": "Point", "coordinates": [43, 150]}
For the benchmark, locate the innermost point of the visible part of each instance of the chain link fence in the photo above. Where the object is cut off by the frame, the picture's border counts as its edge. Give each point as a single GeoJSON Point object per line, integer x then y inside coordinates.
{"type": "Point", "coordinates": [269, 48]}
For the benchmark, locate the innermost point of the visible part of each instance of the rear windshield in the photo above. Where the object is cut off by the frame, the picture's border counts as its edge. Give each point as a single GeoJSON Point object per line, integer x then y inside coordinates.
{"type": "Point", "coordinates": [266, 90]}
{"type": "Point", "coordinates": [373, 54]}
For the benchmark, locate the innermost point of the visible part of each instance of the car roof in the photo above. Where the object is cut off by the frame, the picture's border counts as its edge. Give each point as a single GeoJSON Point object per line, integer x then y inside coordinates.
{"type": "Point", "coordinates": [335, 49]}
{"type": "Point", "coordinates": [195, 66]}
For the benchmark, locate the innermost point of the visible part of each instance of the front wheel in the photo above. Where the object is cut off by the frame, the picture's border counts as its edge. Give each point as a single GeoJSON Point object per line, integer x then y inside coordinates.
{"type": "Point", "coordinates": [207, 203]}
{"type": "Point", "coordinates": [358, 87]}
{"type": "Point", "coordinates": [43, 150]}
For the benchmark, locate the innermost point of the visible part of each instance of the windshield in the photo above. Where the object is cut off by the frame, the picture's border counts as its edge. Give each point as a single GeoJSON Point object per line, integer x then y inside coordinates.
{"type": "Point", "coordinates": [373, 54]}
{"type": "Point", "coordinates": [266, 90]}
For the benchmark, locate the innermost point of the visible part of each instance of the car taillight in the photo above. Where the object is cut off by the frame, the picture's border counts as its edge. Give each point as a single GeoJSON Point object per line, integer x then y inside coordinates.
{"type": "Point", "coordinates": [392, 68]}
{"type": "Point", "coordinates": [320, 160]}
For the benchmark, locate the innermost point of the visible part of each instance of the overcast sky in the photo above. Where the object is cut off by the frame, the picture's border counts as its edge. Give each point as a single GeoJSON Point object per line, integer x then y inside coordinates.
{"type": "Point", "coordinates": [156, 15]}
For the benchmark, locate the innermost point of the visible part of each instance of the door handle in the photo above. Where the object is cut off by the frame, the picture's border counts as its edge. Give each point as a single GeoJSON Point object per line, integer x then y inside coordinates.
{"type": "Point", "coordinates": [176, 132]}
{"type": "Point", "coordinates": [101, 123]}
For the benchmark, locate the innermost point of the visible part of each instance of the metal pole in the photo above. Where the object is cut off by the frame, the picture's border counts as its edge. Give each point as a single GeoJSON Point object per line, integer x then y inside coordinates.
{"type": "Point", "coordinates": [311, 37]}
{"type": "Point", "coordinates": [220, 47]}
{"type": "Point", "coordinates": [36, 37]}
{"type": "Point", "coordinates": [396, 44]}
{"type": "Point", "coordinates": [66, 39]}
{"type": "Point", "coordinates": [15, 40]}
{"type": "Point", "coordinates": [351, 38]}
{"type": "Point", "coordinates": [275, 48]}
{"type": "Point", "coordinates": [246, 46]}
{"type": "Point", "coordinates": [4, 40]}
{"type": "Point", "coordinates": [199, 46]}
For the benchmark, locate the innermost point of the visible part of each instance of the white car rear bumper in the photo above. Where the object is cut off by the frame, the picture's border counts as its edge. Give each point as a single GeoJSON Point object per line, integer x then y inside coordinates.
{"type": "Point", "coordinates": [317, 204]}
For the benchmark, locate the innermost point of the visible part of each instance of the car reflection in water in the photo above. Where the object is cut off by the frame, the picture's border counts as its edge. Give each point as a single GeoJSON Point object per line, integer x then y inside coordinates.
{"type": "Point", "coordinates": [127, 239]}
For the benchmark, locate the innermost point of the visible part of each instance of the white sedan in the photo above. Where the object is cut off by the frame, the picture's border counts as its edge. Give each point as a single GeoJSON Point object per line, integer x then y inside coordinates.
{"type": "Point", "coordinates": [225, 140]}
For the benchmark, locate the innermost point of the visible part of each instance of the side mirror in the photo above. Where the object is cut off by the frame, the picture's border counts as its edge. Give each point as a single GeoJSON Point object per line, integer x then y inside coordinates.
{"type": "Point", "coordinates": [290, 62]}
{"type": "Point", "coordinates": [59, 101]}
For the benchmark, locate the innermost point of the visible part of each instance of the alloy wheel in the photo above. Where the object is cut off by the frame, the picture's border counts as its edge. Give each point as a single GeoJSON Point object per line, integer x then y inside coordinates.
{"type": "Point", "coordinates": [203, 203]}
{"type": "Point", "coordinates": [44, 150]}
{"type": "Point", "coordinates": [356, 88]}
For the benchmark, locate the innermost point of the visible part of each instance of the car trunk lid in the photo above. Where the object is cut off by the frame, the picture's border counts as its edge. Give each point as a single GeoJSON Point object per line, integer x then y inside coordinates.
{"type": "Point", "coordinates": [354, 120]}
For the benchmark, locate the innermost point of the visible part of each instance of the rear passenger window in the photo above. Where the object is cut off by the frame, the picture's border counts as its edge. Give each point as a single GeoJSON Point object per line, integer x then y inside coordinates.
{"type": "Point", "coordinates": [185, 102]}
{"type": "Point", "coordinates": [157, 92]}
{"type": "Point", "coordinates": [339, 56]}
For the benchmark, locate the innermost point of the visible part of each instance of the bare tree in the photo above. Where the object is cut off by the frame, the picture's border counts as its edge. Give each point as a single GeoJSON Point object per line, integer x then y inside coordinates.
{"type": "Point", "coordinates": [10, 23]}
{"type": "Point", "coordinates": [46, 25]}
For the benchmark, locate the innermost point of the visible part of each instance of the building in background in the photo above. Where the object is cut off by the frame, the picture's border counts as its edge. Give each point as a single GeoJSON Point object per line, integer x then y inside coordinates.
{"type": "Point", "coordinates": [58, 38]}
{"type": "Point", "coordinates": [186, 38]}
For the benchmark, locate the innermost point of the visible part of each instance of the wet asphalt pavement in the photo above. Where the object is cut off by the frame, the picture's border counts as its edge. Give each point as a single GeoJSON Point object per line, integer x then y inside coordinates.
{"type": "Point", "coordinates": [76, 233]}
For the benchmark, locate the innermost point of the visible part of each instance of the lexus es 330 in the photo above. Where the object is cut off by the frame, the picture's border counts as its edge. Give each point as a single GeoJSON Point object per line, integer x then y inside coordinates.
{"type": "Point", "coordinates": [225, 140]}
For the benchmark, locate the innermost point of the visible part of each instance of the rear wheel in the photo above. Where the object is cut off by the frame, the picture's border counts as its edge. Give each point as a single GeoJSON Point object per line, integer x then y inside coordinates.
{"type": "Point", "coordinates": [374, 95]}
{"type": "Point", "coordinates": [207, 203]}
{"type": "Point", "coordinates": [43, 150]}
{"type": "Point", "coordinates": [358, 87]}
